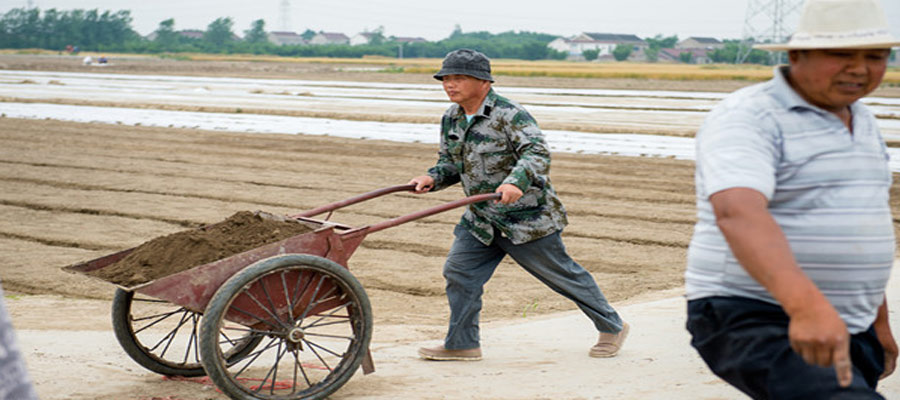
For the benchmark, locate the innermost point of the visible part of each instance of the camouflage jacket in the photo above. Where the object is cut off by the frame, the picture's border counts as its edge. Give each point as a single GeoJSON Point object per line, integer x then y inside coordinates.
{"type": "Point", "coordinates": [502, 144]}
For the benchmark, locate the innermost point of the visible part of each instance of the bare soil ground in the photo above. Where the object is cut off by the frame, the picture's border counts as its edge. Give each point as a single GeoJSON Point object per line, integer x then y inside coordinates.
{"type": "Point", "coordinates": [72, 192]}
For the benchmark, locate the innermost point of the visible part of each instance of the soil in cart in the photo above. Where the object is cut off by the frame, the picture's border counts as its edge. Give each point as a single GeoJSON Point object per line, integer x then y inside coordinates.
{"type": "Point", "coordinates": [183, 250]}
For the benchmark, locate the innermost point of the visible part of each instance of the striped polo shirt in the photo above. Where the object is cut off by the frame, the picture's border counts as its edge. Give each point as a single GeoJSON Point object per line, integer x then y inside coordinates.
{"type": "Point", "coordinates": [827, 189]}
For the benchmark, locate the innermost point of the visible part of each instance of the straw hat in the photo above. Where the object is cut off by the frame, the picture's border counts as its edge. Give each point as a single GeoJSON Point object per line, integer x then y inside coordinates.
{"type": "Point", "coordinates": [839, 24]}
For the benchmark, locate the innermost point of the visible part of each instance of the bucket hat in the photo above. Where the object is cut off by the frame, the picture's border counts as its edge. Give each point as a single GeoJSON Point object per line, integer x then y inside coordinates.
{"type": "Point", "coordinates": [839, 24]}
{"type": "Point", "coordinates": [466, 62]}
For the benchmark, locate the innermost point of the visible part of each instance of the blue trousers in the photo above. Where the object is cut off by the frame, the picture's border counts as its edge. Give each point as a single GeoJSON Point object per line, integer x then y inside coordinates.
{"type": "Point", "coordinates": [470, 265]}
{"type": "Point", "coordinates": [745, 342]}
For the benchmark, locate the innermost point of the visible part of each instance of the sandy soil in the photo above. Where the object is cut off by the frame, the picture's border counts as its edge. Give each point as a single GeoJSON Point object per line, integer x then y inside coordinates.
{"type": "Point", "coordinates": [73, 192]}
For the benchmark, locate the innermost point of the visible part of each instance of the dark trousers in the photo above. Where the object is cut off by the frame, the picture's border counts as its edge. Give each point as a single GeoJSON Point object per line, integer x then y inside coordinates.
{"type": "Point", "coordinates": [745, 342]}
{"type": "Point", "coordinates": [470, 264]}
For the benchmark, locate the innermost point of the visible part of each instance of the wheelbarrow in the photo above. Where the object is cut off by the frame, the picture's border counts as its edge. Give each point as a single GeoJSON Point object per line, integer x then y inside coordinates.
{"type": "Point", "coordinates": [286, 320]}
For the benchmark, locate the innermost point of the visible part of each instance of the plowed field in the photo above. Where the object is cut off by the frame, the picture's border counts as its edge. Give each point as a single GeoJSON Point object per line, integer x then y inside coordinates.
{"type": "Point", "coordinates": [74, 192]}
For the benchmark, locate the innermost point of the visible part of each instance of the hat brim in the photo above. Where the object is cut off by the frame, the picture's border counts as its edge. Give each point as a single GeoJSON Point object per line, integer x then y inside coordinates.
{"type": "Point", "coordinates": [485, 76]}
{"type": "Point", "coordinates": [813, 45]}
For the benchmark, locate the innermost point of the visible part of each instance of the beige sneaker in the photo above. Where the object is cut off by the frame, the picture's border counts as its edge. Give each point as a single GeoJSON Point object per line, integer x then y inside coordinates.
{"type": "Point", "coordinates": [608, 344]}
{"type": "Point", "coordinates": [439, 353]}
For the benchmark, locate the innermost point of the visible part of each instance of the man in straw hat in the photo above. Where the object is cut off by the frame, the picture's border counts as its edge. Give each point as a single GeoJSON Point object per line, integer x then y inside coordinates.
{"type": "Point", "coordinates": [491, 144]}
{"type": "Point", "coordinates": [794, 243]}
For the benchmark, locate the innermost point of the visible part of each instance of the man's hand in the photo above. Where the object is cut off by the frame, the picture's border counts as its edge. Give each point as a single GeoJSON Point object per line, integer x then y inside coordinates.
{"type": "Point", "coordinates": [423, 183]}
{"type": "Point", "coordinates": [890, 355]}
{"type": "Point", "coordinates": [886, 338]}
{"type": "Point", "coordinates": [819, 335]}
{"type": "Point", "coordinates": [510, 193]}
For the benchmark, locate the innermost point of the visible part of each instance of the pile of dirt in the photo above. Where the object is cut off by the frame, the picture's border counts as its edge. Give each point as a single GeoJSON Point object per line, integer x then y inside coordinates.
{"type": "Point", "coordinates": [180, 251]}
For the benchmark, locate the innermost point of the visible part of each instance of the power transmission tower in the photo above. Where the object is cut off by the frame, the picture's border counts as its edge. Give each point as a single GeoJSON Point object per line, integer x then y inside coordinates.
{"type": "Point", "coordinates": [284, 11]}
{"type": "Point", "coordinates": [767, 21]}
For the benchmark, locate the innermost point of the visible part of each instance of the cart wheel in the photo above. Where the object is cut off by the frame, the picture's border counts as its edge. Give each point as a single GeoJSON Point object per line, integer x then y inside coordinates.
{"type": "Point", "coordinates": [317, 320]}
{"type": "Point", "coordinates": [162, 337]}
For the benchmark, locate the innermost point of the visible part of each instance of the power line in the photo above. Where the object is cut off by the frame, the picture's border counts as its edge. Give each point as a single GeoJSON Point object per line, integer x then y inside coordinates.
{"type": "Point", "coordinates": [767, 21]}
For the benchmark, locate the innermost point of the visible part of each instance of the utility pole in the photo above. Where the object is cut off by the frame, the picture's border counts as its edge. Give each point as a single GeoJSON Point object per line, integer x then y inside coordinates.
{"type": "Point", "coordinates": [284, 14]}
{"type": "Point", "coordinates": [767, 21]}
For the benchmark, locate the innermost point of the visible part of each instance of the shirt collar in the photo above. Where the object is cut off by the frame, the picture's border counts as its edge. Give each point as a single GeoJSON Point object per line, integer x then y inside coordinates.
{"type": "Point", "coordinates": [784, 93]}
{"type": "Point", "coordinates": [484, 110]}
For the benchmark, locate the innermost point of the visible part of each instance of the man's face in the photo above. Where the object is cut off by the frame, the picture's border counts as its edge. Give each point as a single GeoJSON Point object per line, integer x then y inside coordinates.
{"type": "Point", "coordinates": [463, 88]}
{"type": "Point", "coordinates": [834, 78]}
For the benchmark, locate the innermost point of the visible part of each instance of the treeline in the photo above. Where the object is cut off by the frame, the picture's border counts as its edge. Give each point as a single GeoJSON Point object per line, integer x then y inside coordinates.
{"type": "Point", "coordinates": [90, 29]}
{"type": "Point", "coordinates": [109, 31]}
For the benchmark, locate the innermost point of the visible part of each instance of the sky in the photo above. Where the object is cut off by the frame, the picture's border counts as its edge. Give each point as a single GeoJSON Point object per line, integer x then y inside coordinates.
{"type": "Point", "coordinates": [433, 20]}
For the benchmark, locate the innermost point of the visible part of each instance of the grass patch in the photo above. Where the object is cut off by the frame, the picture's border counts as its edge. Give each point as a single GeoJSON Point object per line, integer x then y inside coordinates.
{"type": "Point", "coordinates": [174, 56]}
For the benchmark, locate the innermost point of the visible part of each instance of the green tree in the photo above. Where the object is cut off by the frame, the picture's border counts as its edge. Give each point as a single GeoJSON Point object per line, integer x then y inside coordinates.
{"type": "Point", "coordinates": [20, 28]}
{"type": "Point", "coordinates": [218, 33]}
{"type": "Point", "coordinates": [660, 42]}
{"type": "Point", "coordinates": [590, 54]}
{"type": "Point", "coordinates": [457, 32]}
{"type": "Point", "coordinates": [686, 57]}
{"type": "Point", "coordinates": [308, 34]}
{"type": "Point", "coordinates": [166, 36]}
{"type": "Point", "coordinates": [622, 51]}
{"type": "Point", "coordinates": [50, 24]}
{"type": "Point", "coordinates": [729, 52]}
{"type": "Point", "coordinates": [377, 36]}
{"type": "Point", "coordinates": [656, 43]}
{"type": "Point", "coordinates": [257, 32]}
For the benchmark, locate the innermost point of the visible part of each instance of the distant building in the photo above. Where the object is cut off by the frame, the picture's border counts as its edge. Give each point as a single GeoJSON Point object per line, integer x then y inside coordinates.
{"type": "Point", "coordinates": [362, 38]}
{"type": "Point", "coordinates": [191, 33]}
{"type": "Point", "coordinates": [187, 33]}
{"type": "Point", "coordinates": [698, 48]}
{"type": "Point", "coordinates": [605, 43]}
{"type": "Point", "coordinates": [285, 38]}
{"type": "Point", "coordinates": [700, 43]}
{"type": "Point", "coordinates": [329, 38]}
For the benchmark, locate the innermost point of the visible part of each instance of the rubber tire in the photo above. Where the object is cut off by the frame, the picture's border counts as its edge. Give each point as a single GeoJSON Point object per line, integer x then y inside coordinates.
{"type": "Point", "coordinates": [221, 300]}
{"type": "Point", "coordinates": [121, 322]}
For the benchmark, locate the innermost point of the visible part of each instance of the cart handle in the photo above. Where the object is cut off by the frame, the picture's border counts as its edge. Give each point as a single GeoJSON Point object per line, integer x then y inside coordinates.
{"type": "Point", "coordinates": [428, 212]}
{"type": "Point", "coordinates": [353, 200]}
